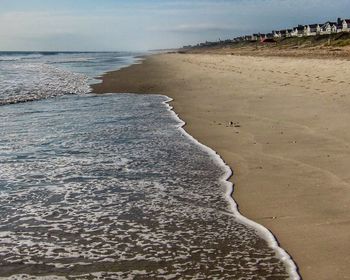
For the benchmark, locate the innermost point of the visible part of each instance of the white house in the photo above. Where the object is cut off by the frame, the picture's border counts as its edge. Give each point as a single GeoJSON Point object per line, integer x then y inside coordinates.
{"type": "Point", "coordinates": [276, 34]}
{"type": "Point", "coordinates": [289, 32]}
{"type": "Point", "coordinates": [255, 37]}
{"type": "Point", "coordinates": [294, 33]}
{"type": "Point", "coordinates": [283, 33]}
{"type": "Point", "coordinates": [346, 25]}
{"type": "Point", "coordinates": [334, 28]}
{"type": "Point", "coordinates": [312, 29]}
{"type": "Point", "coordinates": [247, 37]}
{"type": "Point", "coordinates": [329, 28]}
{"type": "Point", "coordinates": [298, 31]}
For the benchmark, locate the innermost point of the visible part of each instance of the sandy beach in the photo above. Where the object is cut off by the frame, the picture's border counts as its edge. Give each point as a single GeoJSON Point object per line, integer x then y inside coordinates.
{"type": "Point", "coordinates": [282, 125]}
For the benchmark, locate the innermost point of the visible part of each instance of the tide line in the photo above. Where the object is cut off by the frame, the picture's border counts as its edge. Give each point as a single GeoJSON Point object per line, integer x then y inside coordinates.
{"type": "Point", "coordinates": [262, 231]}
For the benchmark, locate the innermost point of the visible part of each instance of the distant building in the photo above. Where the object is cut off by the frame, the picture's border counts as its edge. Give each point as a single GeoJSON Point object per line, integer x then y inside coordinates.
{"type": "Point", "coordinates": [329, 28]}
{"type": "Point", "coordinates": [279, 33]}
{"type": "Point", "coordinates": [298, 31]}
{"type": "Point", "coordinates": [289, 33]}
{"type": "Point", "coordinates": [283, 33]}
{"type": "Point", "coordinates": [312, 29]}
{"type": "Point", "coordinates": [346, 25]}
{"type": "Point", "coordinates": [276, 34]}
{"type": "Point", "coordinates": [262, 36]}
{"type": "Point", "coordinates": [238, 39]}
{"type": "Point", "coordinates": [255, 37]}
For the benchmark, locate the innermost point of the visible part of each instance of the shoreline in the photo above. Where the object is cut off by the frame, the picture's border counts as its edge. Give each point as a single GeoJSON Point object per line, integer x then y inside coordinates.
{"type": "Point", "coordinates": [287, 142]}
{"type": "Point", "coordinates": [265, 233]}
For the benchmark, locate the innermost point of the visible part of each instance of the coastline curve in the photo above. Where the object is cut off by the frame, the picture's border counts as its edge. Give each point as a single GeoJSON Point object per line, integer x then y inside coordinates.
{"type": "Point", "coordinates": [265, 233]}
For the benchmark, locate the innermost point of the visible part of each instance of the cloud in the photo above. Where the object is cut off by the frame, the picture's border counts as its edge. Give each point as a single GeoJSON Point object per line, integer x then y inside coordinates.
{"type": "Point", "coordinates": [141, 24]}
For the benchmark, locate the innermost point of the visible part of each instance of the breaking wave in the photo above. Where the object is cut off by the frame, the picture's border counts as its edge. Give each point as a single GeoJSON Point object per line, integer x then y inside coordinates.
{"type": "Point", "coordinates": [34, 81]}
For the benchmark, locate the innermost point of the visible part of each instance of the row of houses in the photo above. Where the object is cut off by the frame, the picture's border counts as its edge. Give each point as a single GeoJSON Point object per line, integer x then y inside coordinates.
{"type": "Point", "coordinates": [329, 27]}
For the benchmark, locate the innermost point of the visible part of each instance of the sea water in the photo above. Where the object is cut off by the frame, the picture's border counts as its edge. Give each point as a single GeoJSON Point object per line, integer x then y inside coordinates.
{"type": "Point", "coordinates": [110, 186]}
{"type": "Point", "coordinates": [28, 76]}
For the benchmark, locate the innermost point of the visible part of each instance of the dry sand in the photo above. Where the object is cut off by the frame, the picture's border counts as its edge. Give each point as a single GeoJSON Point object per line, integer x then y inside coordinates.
{"type": "Point", "coordinates": [289, 146]}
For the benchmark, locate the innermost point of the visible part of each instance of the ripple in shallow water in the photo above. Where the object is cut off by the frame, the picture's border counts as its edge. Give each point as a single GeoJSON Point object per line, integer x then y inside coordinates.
{"type": "Point", "coordinates": [108, 187]}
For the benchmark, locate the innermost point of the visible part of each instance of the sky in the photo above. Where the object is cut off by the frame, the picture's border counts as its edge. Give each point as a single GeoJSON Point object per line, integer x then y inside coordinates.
{"type": "Point", "coordinates": [138, 25]}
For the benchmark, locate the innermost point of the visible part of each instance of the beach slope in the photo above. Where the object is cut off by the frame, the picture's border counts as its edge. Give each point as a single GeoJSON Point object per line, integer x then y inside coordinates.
{"type": "Point", "coordinates": [282, 125]}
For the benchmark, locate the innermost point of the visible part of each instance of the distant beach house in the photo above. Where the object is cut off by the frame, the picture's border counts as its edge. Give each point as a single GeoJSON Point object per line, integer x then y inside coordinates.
{"type": "Point", "coordinates": [329, 27]}
{"type": "Point", "coordinates": [312, 29]}
{"type": "Point", "coordinates": [276, 34]}
{"type": "Point", "coordinates": [289, 32]}
{"type": "Point", "coordinates": [283, 33]}
{"type": "Point", "coordinates": [262, 36]}
{"type": "Point", "coordinates": [256, 37]}
{"type": "Point", "coordinates": [238, 39]}
{"type": "Point", "coordinates": [346, 25]}
{"type": "Point", "coordinates": [298, 31]}
{"type": "Point", "coordinates": [269, 36]}
{"type": "Point", "coordinates": [247, 38]}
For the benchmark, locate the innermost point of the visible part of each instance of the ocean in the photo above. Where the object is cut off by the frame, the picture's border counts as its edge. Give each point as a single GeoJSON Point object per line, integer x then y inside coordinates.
{"type": "Point", "coordinates": [111, 186]}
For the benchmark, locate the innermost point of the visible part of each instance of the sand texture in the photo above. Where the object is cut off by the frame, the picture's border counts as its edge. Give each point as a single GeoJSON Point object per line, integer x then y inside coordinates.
{"type": "Point", "coordinates": [283, 125]}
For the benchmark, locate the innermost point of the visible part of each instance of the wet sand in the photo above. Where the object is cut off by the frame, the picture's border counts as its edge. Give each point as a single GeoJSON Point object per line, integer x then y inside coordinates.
{"type": "Point", "coordinates": [282, 125]}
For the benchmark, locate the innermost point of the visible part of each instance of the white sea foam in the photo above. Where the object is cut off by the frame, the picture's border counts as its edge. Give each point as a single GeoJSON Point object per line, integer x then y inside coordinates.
{"type": "Point", "coordinates": [35, 81]}
{"type": "Point", "coordinates": [102, 178]}
{"type": "Point", "coordinates": [264, 232]}
{"type": "Point", "coordinates": [34, 76]}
